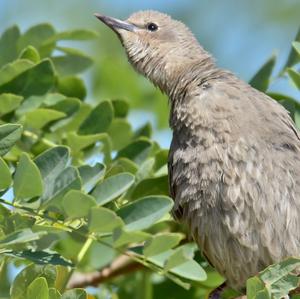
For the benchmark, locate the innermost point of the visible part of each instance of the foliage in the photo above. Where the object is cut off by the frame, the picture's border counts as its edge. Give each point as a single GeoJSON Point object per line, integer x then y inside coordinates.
{"type": "Point", "coordinates": [81, 189]}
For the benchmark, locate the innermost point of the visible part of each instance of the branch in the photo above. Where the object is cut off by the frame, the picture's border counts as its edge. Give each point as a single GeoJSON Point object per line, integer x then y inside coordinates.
{"type": "Point", "coordinates": [121, 265]}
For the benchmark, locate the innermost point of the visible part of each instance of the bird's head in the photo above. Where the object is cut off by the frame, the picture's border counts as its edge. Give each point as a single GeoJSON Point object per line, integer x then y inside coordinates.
{"type": "Point", "coordinates": [157, 46]}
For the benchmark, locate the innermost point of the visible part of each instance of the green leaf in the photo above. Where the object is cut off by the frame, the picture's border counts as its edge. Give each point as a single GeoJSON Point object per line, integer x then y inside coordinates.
{"type": "Point", "coordinates": [38, 289]}
{"type": "Point", "coordinates": [144, 131]}
{"type": "Point", "coordinates": [9, 102]}
{"type": "Point", "coordinates": [121, 108]}
{"type": "Point", "coordinates": [295, 76]}
{"type": "Point", "coordinates": [113, 187]}
{"type": "Point", "coordinates": [122, 237]}
{"type": "Point", "coordinates": [72, 86]}
{"type": "Point", "coordinates": [254, 285]}
{"type": "Point", "coordinates": [144, 212]}
{"type": "Point", "coordinates": [41, 257]}
{"type": "Point", "coordinates": [31, 54]}
{"type": "Point", "coordinates": [77, 34]}
{"type": "Point", "coordinates": [102, 220]}
{"type": "Point", "coordinates": [99, 120]}
{"type": "Point", "coordinates": [261, 79]}
{"type": "Point", "coordinates": [37, 36]}
{"type": "Point", "coordinates": [12, 70]}
{"type": "Point", "coordinates": [28, 182]}
{"type": "Point", "coordinates": [190, 269]}
{"type": "Point", "coordinates": [79, 142]}
{"type": "Point", "coordinates": [68, 179]}
{"type": "Point", "coordinates": [75, 294]}
{"type": "Point", "coordinates": [180, 256]}
{"type": "Point", "coordinates": [137, 151]}
{"type": "Point", "coordinates": [71, 64]}
{"type": "Point", "coordinates": [19, 237]}
{"type": "Point", "coordinates": [54, 294]}
{"type": "Point", "coordinates": [8, 45]}
{"type": "Point", "coordinates": [91, 175]}
{"type": "Point", "coordinates": [277, 271]}
{"type": "Point", "coordinates": [40, 117]}
{"type": "Point", "coordinates": [28, 275]}
{"type": "Point", "coordinates": [36, 80]}
{"type": "Point", "coordinates": [296, 46]}
{"type": "Point", "coordinates": [9, 135]}
{"type": "Point", "coordinates": [160, 243]}
{"type": "Point", "coordinates": [51, 164]}
{"type": "Point", "coordinates": [283, 286]}
{"type": "Point", "coordinates": [294, 56]}
{"type": "Point", "coordinates": [157, 186]}
{"type": "Point", "coordinates": [77, 204]}
{"type": "Point", "coordinates": [5, 176]}
{"type": "Point", "coordinates": [120, 133]}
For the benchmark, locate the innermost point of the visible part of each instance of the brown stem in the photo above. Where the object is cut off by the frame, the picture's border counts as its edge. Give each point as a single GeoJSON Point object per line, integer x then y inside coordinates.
{"type": "Point", "coordinates": [121, 265]}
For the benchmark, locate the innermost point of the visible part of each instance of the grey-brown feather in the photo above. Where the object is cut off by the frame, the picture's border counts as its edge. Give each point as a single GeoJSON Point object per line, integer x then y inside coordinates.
{"type": "Point", "coordinates": [234, 161]}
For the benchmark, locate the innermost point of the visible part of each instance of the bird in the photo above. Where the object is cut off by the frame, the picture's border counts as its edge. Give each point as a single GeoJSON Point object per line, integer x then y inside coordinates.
{"type": "Point", "coordinates": [234, 159]}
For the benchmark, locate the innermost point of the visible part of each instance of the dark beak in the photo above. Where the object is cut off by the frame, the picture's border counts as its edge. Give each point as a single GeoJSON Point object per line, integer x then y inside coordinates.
{"type": "Point", "coordinates": [115, 24]}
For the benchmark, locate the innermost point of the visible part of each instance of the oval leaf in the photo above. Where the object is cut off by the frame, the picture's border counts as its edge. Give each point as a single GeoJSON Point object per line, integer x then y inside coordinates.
{"type": "Point", "coordinates": [144, 212]}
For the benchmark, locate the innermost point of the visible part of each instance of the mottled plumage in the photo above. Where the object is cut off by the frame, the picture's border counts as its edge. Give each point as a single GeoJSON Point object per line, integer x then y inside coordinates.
{"type": "Point", "coordinates": [234, 161]}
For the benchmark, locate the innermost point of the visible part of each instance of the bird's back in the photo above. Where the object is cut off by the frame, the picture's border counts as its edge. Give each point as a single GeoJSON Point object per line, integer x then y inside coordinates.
{"type": "Point", "coordinates": [234, 170]}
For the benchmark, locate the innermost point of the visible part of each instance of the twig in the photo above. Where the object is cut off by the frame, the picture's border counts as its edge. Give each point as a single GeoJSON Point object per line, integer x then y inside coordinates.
{"type": "Point", "coordinates": [120, 266]}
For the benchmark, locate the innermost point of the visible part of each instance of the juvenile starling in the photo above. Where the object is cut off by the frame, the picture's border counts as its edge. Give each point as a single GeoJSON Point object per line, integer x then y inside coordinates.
{"type": "Point", "coordinates": [234, 161]}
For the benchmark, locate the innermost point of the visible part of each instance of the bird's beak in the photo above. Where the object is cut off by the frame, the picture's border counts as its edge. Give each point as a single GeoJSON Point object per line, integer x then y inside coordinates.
{"type": "Point", "coordinates": [115, 24]}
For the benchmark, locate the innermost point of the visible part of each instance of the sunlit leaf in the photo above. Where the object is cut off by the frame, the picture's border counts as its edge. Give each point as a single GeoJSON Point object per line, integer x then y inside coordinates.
{"type": "Point", "coordinates": [27, 179]}
{"type": "Point", "coordinates": [5, 176]}
{"type": "Point", "coordinates": [28, 275]}
{"type": "Point", "coordinates": [102, 220]}
{"type": "Point", "coordinates": [77, 204]}
{"type": "Point", "coordinates": [295, 76]}
{"type": "Point", "coordinates": [9, 102]}
{"type": "Point", "coordinates": [75, 294]}
{"type": "Point", "coordinates": [38, 289]}
{"type": "Point", "coordinates": [31, 54]}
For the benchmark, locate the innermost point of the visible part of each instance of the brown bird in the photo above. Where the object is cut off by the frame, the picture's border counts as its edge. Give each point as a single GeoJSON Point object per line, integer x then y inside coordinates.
{"type": "Point", "coordinates": [234, 161]}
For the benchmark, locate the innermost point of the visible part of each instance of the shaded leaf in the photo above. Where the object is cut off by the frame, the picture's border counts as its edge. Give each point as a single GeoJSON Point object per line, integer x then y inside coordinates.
{"type": "Point", "coordinates": [137, 151]}
{"type": "Point", "coordinates": [27, 179]}
{"type": "Point", "coordinates": [121, 108]}
{"type": "Point", "coordinates": [144, 212]}
{"type": "Point", "coordinates": [261, 79]}
{"type": "Point", "coordinates": [254, 285]}
{"type": "Point", "coordinates": [41, 257]}
{"type": "Point", "coordinates": [71, 64]}
{"type": "Point", "coordinates": [37, 36]}
{"type": "Point", "coordinates": [293, 57]}
{"type": "Point", "coordinates": [99, 120]}
{"type": "Point", "coordinates": [91, 175]}
{"type": "Point", "coordinates": [157, 186]}
{"type": "Point", "coordinates": [113, 187]}
{"type": "Point", "coordinates": [8, 45]}
{"type": "Point", "coordinates": [37, 79]}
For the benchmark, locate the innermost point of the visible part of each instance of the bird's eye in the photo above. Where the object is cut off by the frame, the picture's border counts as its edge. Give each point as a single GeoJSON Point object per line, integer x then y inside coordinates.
{"type": "Point", "coordinates": [152, 27]}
